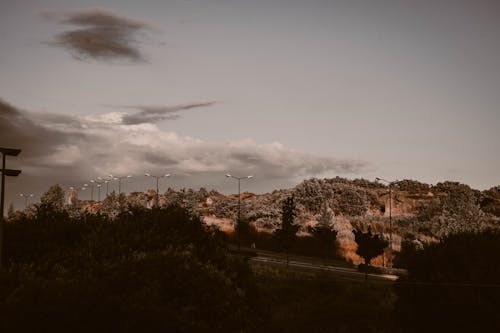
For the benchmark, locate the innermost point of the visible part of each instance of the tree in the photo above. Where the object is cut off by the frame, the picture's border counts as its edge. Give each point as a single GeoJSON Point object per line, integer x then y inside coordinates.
{"type": "Point", "coordinates": [455, 209]}
{"type": "Point", "coordinates": [245, 230]}
{"type": "Point", "coordinates": [369, 245]}
{"type": "Point", "coordinates": [323, 232]}
{"type": "Point", "coordinates": [148, 270]}
{"type": "Point", "coordinates": [53, 198]}
{"type": "Point", "coordinates": [452, 285]}
{"type": "Point", "coordinates": [51, 206]}
{"type": "Point", "coordinates": [11, 212]}
{"type": "Point", "coordinates": [287, 233]}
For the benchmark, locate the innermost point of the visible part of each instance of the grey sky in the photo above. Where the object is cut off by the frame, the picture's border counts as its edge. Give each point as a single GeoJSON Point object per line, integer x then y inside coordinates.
{"type": "Point", "coordinates": [407, 89]}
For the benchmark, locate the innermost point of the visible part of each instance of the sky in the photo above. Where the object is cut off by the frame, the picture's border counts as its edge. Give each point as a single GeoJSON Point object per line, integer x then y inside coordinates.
{"type": "Point", "coordinates": [282, 90]}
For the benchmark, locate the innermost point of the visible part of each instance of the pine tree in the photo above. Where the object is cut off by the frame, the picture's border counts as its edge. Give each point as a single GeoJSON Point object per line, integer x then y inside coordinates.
{"type": "Point", "coordinates": [286, 235]}
{"type": "Point", "coordinates": [11, 212]}
{"type": "Point", "coordinates": [323, 232]}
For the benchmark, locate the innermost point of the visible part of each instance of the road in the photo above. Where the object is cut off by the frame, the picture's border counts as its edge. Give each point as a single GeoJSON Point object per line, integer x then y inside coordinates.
{"type": "Point", "coordinates": [339, 269]}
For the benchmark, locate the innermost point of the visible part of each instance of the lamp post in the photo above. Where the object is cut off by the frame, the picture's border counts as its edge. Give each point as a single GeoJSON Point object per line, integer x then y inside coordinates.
{"type": "Point", "coordinates": [99, 191]}
{"type": "Point", "coordinates": [5, 172]}
{"type": "Point", "coordinates": [99, 185]}
{"type": "Point", "coordinates": [106, 181]}
{"type": "Point", "coordinates": [389, 183]}
{"type": "Point", "coordinates": [91, 186]}
{"type": "Point", "coordinates": [76, 190]}
{"type": "Point", "coordinates": [119, 181]}
{"type": "Point", "coordinates": [26, 196]}
{"type": "Point", "coordinates": [239, 204]}
{"type": "Point", "coordinates": [157, 179]}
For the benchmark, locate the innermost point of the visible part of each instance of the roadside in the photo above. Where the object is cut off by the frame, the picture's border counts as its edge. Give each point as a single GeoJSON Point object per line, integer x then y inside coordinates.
{"type": "Point", "coordinates": [337, 268]}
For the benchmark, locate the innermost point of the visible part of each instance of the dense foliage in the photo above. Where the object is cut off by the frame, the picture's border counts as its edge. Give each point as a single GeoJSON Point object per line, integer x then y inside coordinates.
{"type": "Point", "coordinates": [324, 233]}
{"type": "Point", "coordinates": [452, 285]}
{"type": "Point", "coordinates": [287, 234]}
{"type": "Point", "coordinates": [143, 271]}
{"type": "Point", "coordinates": [369, 245]}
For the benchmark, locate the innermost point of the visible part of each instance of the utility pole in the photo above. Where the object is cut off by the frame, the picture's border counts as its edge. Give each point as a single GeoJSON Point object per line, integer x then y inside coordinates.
{"type": "Point", "coordinates": [11, 173]}
{"type": "Point", "coordinates": [119, 181]}
{"type": "Point", "coordinates": [389, 183]}
{"type": "Point", "coordinates": [238, 225]}
{"type": "Point", "coordinates": [157, 198]}
{"type": "Point", "coordinates": [26, 196]}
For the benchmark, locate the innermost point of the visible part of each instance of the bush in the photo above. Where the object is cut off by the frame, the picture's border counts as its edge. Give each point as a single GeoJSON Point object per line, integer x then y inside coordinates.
{"type": "Point", "coordinates": [160, 270]}
{"type": "Point", "coordinates": [452, 285]}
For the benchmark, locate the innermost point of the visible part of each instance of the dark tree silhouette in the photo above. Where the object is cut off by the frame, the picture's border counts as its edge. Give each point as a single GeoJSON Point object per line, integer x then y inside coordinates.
{"type": "Point", "coordinates": [286, 235]}
{"type": "Point", "coordinates": [323, 232]}
{"type": "Point", "coordinates": [53, 198]}
{"type": "Point", "coordinates": [369, 245]}
{"type": "Point", "coordinates": [452, 285]}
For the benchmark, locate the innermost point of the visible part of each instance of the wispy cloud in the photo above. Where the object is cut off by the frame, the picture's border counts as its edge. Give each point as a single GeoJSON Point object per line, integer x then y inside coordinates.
{"type": "Point", "coordinates": [153, 114]}
{"type": "Point", "coordinates": [102, 34]}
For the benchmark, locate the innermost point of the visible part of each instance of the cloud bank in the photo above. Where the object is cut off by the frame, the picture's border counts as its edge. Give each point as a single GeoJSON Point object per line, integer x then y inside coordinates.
{"type": "Point", "coordinates": [69, 150]}
{"type": "Point", "coordinates": [102, 34]}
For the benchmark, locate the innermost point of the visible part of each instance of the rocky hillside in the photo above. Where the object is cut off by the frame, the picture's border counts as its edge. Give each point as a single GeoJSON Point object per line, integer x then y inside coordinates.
{"type": "Point", "coordinates": [420, 211]}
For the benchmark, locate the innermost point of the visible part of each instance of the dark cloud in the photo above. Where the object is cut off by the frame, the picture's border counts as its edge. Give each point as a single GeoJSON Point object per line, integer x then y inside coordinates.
{"type": "Point", "coordinates": [153, 114]}
{"type": "Point", "coordinates": [102, 35]}
{"type": "Point", "coordinates": [17, 129]}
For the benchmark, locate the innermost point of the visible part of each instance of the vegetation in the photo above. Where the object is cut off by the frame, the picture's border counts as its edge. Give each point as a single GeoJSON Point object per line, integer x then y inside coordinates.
{"type": "Point", "coordinates": [293, 301]}
{"type": "Point", "coordinates": [324, 234]}
{"type": "Point", "coordinates": [116, 265]}
{"type": "Point", "coordinates": [287, 234]}
{"type": "Point", "coordinates": [369, 245]}
{"type": "Point", "coordinates": [146, 270]}
{"type": "Point", "coordinates": [452, 285]}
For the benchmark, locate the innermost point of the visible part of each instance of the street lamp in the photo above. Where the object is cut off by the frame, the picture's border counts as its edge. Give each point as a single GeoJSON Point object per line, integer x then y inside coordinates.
{"type": "Point", "coordinates": [98, 184]}
{"type": "Point", "coordinates": [390, 206]}
{"type": "Point", "coordinates": [99, 191]}
{"type": "Point", "coordinates": [76, 190]}
{"type": "Point", "coordinates": [119, 181]}
{"type": "Point", "coordinates": [157, 179]}
{"type": "Point", "coordinates": [91, 186]}
{"type": "Point", "coordinates": [106, 181]}
{"type": "Point", "coordinates": [26, 196]}
{"type": "Point", "coordinates": [5, 172]}
{"type": "Point", "coordinates": [239, 203]}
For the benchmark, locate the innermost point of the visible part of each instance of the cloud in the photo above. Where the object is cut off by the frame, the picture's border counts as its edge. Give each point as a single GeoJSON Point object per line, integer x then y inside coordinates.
{"type": "Point", "coordinates": [102, 34]}
{"type": "Point", "coordinates": [153, 114]}
{"type": "Point", "coordinates": [26, 130]}
{"type": "Point", "coordinates": [70, 150]}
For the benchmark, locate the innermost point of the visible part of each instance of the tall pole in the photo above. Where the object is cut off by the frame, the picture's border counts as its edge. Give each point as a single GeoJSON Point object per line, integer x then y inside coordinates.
{"type": "Point", "coordinates": [157, 195]}
{"type": "Point", "coordinates": [26, 197]}
{"type": "Point", "coordinates": [390, 216]}
{"type": "Point", "coordinates": [119, 182]}
{"type": "Point", "coordinates": [91, 189]}
{"type": "Point", "coordinates": [239, 214]}
{"type": "Point", "coordinates": [389, 183]}
{"type": "Point", "coordinates": [1, 208]}
{"type": "Point", "coordinates": [12, 152]}
{"type": "Point", "coordinates": [238, 224]}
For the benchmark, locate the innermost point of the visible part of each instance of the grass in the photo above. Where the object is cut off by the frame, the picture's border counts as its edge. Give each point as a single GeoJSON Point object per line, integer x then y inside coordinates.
{"type": "Point", "coordinates": [297, 301]}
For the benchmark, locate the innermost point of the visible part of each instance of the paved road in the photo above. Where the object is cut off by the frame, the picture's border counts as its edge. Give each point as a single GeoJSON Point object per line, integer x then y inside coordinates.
{"type": "Point", "coordinates": [339, 269]}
